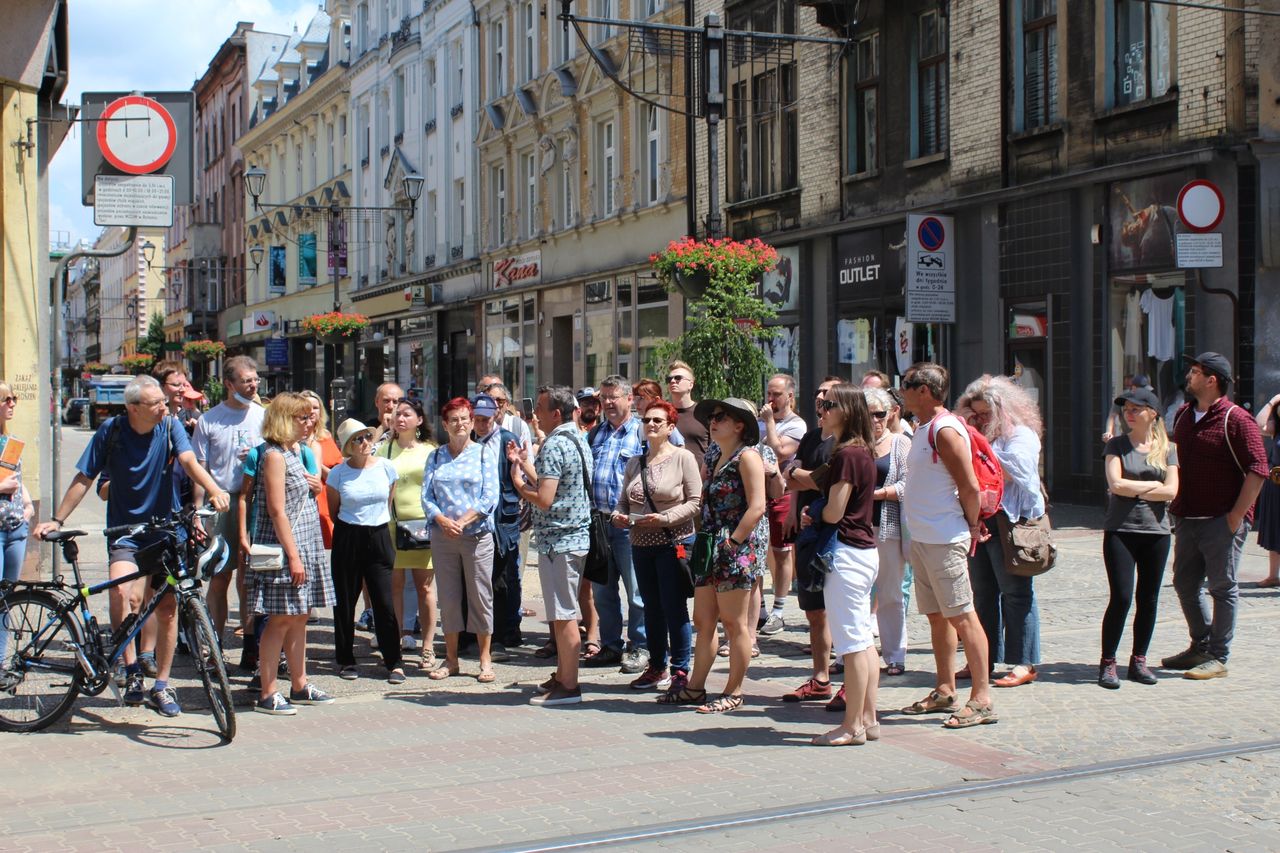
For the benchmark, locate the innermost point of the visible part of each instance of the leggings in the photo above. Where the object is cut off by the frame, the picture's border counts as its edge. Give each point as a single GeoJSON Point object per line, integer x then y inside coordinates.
{"type": "Point", "coordinates": [1123, 553]}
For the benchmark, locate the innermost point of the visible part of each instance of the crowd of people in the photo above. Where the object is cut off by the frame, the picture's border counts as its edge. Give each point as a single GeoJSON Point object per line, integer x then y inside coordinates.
{"type": "Point", "coordinates": [878, 503]}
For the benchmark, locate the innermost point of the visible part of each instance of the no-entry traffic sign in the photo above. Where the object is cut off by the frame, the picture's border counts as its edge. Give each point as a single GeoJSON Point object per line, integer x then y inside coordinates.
{"type": "Point", "coordinates": [1201, 206]}
{"type": "Point", "coordinates": [146, 133]}
{"type": "Point", "coordinates": [136, 135]}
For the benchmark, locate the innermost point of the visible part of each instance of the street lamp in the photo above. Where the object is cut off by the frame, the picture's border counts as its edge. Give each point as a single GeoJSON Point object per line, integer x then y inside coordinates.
{"type": "Point", "coordinates": [255, 181]}
{"type": "Point", "coordinates": [255, 255]}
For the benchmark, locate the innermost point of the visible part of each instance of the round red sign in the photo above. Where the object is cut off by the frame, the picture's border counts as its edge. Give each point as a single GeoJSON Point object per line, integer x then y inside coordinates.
{"type": "Point", "coordinates": [137, 135]}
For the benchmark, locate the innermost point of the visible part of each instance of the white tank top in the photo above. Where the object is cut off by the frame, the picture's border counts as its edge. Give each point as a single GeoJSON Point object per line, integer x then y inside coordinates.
{"type": "Point", "coordinates": [931, 505]}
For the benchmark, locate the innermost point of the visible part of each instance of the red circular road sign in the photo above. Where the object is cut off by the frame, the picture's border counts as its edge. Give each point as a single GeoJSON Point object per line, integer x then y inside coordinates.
{"type": "Point", "coordinates": [1201, 205]}
{"type": "Point", "coordinates": [140, 139]}
{"type": "Point", "coordinates": [931, 233]}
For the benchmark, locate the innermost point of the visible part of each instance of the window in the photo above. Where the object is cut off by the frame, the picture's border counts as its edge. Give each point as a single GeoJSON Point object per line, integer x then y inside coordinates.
{"type": "Point", "coordinates": [498, 178]}
{"type": "Point", "coordinates": [532, 215]}
{"type": "Point", "coordinates": [498, 67]}
{"type": "Point", "coordinates": [342, 148]}
{"type": "Point", "coordinates": [1037, 90]}
{"type": "Point", "coordinates": [604, 9]}
{"type": "Point", "coordinates": [457, 234]}
{"type": "Point", "coordinates": [606, 169]}
{"type": "Point", "coordinates": [931, 81]}
{"type": "Point", "coordinates": [763, 124]}
{"type": "Point", "coordinates": [565, 41]}
{"type": "Point", "coordinates": [568, 195]}
{"type": "Point", "coordinates": [429, 107]}
{"type": "Point", "coordinates": [1142, 57]}
{"type": "Point", "coordinates": [459, 82]}
{"type": "Point", "coordinates": [529, 44]}
{"type": "Point", "coordinates": [366, 133]}
{"type": "Point", "coordinates": [652, 154]}
{"type": "Point", "coordinates": [298, 185]}
{"type": "Point", "coordinates": [398, 106]}
{"type": "Point", "coordinates": [330, 152]}
{"type": "Point", "coordinates": [652, 7]}
{"type": "Point", "coordinates": [862, 111]}
{"type": "Point", "coordinates": [430, 222]}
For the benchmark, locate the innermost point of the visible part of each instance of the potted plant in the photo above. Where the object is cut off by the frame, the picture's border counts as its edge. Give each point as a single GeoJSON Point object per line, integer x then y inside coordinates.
{"type": "Point", "coordinates": [137, 363]}
{"type": "Point", "coordinates": [96, 368]}
{"type": "Point", "coordinates": [336, 327]}
{"type": "Point", "coordinates": [726, 332]}
{"type": "Point", "coordinates": [203, 350]}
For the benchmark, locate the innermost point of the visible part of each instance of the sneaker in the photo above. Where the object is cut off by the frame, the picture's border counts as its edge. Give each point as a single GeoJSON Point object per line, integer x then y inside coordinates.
{"type": "Point", "coordinates": [635, 660]}
{"type": "Point", "coordinates": [811, 689]}
{"type": "Point", "coordinates": [408, 643]}
{"type": "Point", "coordinates": [1139, 672]}
{"type": "Point", "coordinates": [653, 678]}
{"type": "Point", "coordinates": [396, 676]}
{"type": "Point", "coordinates": [1191, 658]}
{"type": "Point", "coordinates": [558, 695]}
{"type": "Point", "coordinates": [1212, 668]}
{"type": "Point", "coordinates": [165, 701]}
{"type": "Point", "coordinates": [365, 622]}
{"type": "Point", "coordinates": [147, 660]}
{"type": "Point", "coordinates": [548, 685]}
{"type": "Point", "coordinates": [773, 625]}
{"type": "Point", "coordinates": [135, 690]}
{"type": "Point", "coordinates": [349, 673]}
{"type": "Point", "coordinates": [309, 695]}
{"type": "Point", "coordinates": [275, 704]}
{"type": "Point", "coordinates": [1107, 676]}
{"type": "Point", "coordinates": [605, 657]}
{"type": "Point", "coordinates": [836, 705]}
{"type": "Point", "coordinates": [498, 653]}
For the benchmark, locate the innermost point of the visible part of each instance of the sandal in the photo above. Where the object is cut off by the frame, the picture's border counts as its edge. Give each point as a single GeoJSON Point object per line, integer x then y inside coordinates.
{"type": "Point", "coordinates": [894, 669]}
{"type": "Point", "coordinates": [590, 649]}
{"type": "Point", "coordinates": [683, 696]}
{"type": "Point", "coordinates": [486, 676]}
{"type": "Point", "coordinates": [1269, 583]}
{"type": "Point", "coordinates": [934, 703]}
{"type": "Point", "coordinates": [727, 702]}
{"type": "Point", "coordinates": [442, 673]}
{"type": "Point", "coordinates": [755, 652]}
{"type": "Point", "coordinates": [428, 660]}
{"type": "Point", "coordinates": [548, 650]}
{"type": "Point", "coordinates": [723, 651]}
{"type": "Point", "coordinates": [973, 713]}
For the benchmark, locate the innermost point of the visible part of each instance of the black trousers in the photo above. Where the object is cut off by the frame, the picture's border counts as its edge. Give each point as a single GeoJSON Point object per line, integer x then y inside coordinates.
{"type": "Point", "coordinates": [1125, 556]}
{"type": "Point", "coordinates": [363, 555]}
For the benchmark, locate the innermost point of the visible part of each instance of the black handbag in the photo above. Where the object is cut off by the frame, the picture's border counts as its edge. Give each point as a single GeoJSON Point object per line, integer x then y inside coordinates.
{"type": "Point", "coordinates": [599, 556]}
{"type": "Point", "coordinates": [415, 533]}
{"type": "Point", "coordinates": [681, 552]}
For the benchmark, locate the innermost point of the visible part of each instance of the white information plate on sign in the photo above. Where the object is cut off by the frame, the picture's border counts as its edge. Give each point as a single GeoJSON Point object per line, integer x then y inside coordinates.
{"type": "Point", "coordinates": [931, 272]}
{"type": "Point", "coordinates": [141, 200]}
{"type": "Point", "coordinates": [1200, 251]}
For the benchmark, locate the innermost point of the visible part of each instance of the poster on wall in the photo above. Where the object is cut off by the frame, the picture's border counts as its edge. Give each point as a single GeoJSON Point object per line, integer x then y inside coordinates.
{"type": "Point", "coordinates": [780, 286]}
{"type": "Point", "coordinates": [277, 280]}
{"type": "Point", "coordinates": [855, 341]}
{"type": "Point", "coordinates": [337, 247]}
{"type": "Point", "coordinates": [307, 260]}
{"type": "Point", "coordinates": [784, 350]}
{"type": "Point", "coordinates": [902, 337]}
{"type": "Point", "coordinates": [1143, 223]}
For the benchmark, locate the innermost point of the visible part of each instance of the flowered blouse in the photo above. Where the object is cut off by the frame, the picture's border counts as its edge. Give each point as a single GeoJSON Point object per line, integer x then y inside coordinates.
{"type": "Point", "coordinates": [724, 501]}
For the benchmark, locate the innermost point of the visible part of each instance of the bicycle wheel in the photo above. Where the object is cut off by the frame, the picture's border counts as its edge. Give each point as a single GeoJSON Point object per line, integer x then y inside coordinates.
{"type": "Point", "coordinates": [207, 655]}
{"type": "Point", "coordinates": [39, 673]}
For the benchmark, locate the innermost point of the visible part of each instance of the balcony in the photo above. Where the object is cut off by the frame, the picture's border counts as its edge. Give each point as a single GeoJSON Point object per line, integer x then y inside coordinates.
{"type": "Point", "coordinates": [429, 127]}
{"type": "Point", "coordinates": [455, 110]}
{"type": "Point", "coordinates": [455, 252]}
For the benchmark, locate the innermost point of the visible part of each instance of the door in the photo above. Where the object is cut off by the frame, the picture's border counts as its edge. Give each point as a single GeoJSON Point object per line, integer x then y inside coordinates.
{"type": "Point", "coordinates": [562, 350]}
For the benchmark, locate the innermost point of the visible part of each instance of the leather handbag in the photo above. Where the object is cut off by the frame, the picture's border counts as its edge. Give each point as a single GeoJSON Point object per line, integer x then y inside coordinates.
{"type": "Point", "coordinates": [1027, 545]}
{"type": "Point", "coordinates": [413, 535]}
{"type": "Point", "coordinates": [266, 558]}
{"type": "Point", "coordinates": [599, 556]}
{"type": "Point", "coordinates": [681, 552]}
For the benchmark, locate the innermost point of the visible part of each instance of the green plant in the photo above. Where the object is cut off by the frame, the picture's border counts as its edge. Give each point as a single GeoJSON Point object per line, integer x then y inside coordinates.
{"type": "Point", "coordinates": [153, 343]}
{"type": "Point", "coordinates": [203, 350]}
{"type": "Point", "coordinates": [137, 363]}
{"type": "Point", "coordinates": [725, 339]}
{"type": "Point", "coordinates": [97, 368]}
{"type": "Point", "coordinates": [335, 323]}
{"type": "Point", "coordinates": [214, 391]}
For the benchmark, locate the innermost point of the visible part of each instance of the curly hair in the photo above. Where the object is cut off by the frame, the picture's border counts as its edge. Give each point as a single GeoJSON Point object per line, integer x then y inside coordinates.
{"type": "Point", "coordinates": [1011, 406]}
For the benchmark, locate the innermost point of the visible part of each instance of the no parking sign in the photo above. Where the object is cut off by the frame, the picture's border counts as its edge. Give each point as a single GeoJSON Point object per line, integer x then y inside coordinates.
{"type": "Point", "coordinates": [931, 277]}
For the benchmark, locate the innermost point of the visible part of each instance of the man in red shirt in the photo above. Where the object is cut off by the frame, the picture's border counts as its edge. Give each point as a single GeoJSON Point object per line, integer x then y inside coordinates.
{"type": "Point", "coordinates": [1222, 464]}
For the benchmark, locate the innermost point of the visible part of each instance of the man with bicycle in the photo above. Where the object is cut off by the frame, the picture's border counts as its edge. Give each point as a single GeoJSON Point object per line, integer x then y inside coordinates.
{"type": "Point", "coordinates": [138, 451]}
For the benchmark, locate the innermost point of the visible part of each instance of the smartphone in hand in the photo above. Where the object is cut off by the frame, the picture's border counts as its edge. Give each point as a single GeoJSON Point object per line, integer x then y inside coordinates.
{"type": "Point", "coordinates": [526, 408]}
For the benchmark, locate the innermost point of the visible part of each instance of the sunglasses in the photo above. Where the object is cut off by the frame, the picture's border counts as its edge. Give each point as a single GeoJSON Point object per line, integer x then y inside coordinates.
{"type": "Point", "coordinates": [658, 421]}
{"type": "Point", "coordinates": [675, 377]}
{"type": "Point", "coordinates": [881, 415]}
{"type": "Point", "coordinates": [363, 438]}
{"type": "Point", "coordinates": [826, 405]}
{"type": "Point", "coordinates": [911, 385]}
{"type": "Point", "coordinates": [9, 401]}
{"type": "Point", "coordinates": [716, 417]}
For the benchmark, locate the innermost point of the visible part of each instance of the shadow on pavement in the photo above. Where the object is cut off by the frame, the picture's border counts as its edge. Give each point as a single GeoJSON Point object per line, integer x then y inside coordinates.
{"type": "Point", "coordinates": [166, 735]}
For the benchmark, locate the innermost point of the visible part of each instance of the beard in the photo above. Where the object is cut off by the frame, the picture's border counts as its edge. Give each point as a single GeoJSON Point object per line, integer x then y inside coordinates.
{"type": "Point", "coordinates": [589, 419]}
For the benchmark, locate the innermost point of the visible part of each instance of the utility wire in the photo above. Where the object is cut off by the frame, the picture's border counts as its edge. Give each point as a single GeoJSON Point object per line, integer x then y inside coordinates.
{"type": "Point", "coordinates": [1186, 4]}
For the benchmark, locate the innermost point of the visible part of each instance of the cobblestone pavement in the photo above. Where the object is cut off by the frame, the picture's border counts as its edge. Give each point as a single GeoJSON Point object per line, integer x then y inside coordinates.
{"type": "Point", "coordinates": [456, 764]}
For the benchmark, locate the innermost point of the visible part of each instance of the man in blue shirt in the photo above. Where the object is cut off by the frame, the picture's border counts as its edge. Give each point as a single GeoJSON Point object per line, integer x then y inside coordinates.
{"type": "Point", "coordinates": [613, 442]}
{"type": "Point", "coordinates": [137, 451]}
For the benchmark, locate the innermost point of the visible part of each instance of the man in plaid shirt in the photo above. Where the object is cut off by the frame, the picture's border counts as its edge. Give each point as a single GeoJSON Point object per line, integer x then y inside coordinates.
{"type": "Point", "coordinates": [613, 442]}
{"type": "Point", "coordinates": [1222, 464]}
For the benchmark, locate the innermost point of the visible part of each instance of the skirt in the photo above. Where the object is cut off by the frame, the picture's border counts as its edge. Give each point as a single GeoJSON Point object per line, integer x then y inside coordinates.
{"type": "Point", "coordinates": [273, 595]}
{"type": "Point", "coordinates": [1267, 518]}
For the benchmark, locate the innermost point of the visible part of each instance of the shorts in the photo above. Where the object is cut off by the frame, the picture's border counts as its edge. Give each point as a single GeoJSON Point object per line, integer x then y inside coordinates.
{"type": "Point", "coordinates": [146, 551]}
{"type": "Point", "coordinates": [942, 577]}
{"type": "Point", "coordinates": [227, 525]}
{"type": "Point", "coordinates": [778, 511]}
{"type": "Point", "coordinates": [560, 575]}
{"type": "Point", "coordinates": [806, 550]}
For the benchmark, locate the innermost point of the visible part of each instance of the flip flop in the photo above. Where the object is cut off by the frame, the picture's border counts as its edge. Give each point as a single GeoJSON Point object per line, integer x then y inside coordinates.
{"type": "Point", "coordinates": [486, 676]}
{"type": "Point", "coordinates": [972, 714]}
{"type": "Point", "coordinates": [442, 673]}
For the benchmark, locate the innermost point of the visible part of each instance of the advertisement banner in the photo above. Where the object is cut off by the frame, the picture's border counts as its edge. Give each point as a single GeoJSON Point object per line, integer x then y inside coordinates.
{"type": "Point", "coordinates": [307, 260]}
{"type": "Point", "coordinates": [780, 286]}
{"type": "Point", "coordinates": [277, 280]}
{"type": "Point", "coordinates": [337, 247]}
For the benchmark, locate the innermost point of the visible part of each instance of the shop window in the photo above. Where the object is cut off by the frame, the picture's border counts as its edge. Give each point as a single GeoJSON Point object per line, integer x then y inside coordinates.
{"type": "Point", "coordinates": [1148, 330]}
{"type": "Point", "coordinates": [1140, 60]}
{"type": "Point", "coordinates": [930, 81]}
{"type": "Point", "coordinates": [530, 341]}
{"type": "Point", "coordinates": [503, 344]}
{"type": "Point", "coordinates": [1027, 337]}
{"type": "Point", "coordinates": [862, 110]}
{"type": "Point", "coordinates": [1035, 45]}
{"type": "Point", "coordinates": [599, 332]}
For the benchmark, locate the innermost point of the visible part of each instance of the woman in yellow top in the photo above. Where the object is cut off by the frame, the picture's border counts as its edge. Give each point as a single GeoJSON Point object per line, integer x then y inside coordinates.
{"type": "Point", "coordinates": [408, 452]}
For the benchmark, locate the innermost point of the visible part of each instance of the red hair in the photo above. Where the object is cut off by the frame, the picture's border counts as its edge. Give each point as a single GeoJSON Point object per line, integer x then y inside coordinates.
{"type": "Point", "coordinates": [667, 409]}
{"type": "Point", "coordinates": [453, 406]}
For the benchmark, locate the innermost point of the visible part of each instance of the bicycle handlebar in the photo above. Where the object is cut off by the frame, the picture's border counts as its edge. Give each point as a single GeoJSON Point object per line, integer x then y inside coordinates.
{"type": "Point", "coordinates": [184, 519]}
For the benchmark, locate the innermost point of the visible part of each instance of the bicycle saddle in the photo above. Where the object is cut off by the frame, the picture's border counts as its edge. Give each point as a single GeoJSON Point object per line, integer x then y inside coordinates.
{"type": "Point", "coordinates": [59, 535]}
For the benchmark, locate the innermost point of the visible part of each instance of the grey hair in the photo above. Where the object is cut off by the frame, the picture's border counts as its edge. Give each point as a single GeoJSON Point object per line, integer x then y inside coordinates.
{"type": "Point", "coordinates": [878, 397]}
{"type": "Point", "coordinates": [133, 391]}
{"type": "Point", "coordinates": [495, 386]}
{"type": "Point", "coordinates": [561, 399]}
{"type": "Point", "coordinates": [616, 381]}
{"type": "Point", "coordinates": [788, 381]}
{"type": "Point", "coordinates": [238, 365]}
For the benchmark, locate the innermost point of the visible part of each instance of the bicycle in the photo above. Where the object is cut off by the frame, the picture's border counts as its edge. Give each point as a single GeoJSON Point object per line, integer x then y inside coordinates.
{"type": "Point", "coordinates": [57, 650]}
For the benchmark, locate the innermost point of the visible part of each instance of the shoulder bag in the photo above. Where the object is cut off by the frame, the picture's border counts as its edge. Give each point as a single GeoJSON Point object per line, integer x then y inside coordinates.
{"type": "Point", "coordinates": [263, 558]}
{"type": "Point", "coordinates": [599, 556]}
{"type": "Point", "coordinates": [414, 534]}
{"type": "Point", "coordinates": [681, 552]}
{"type": "Point", "coordinates": [1028, 543]}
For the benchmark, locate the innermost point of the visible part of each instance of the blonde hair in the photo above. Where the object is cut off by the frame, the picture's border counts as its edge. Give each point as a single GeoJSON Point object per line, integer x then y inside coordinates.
{"type": "Point", "coordinates": [277, 424]}
{"type": "Point", "coordinates": [322, 425]}
{"type": "Point", "coordinates": [681, 365]}
{"type": "Point", "coordinates": [6, 390]}
{"type": "Point", "coordinates": [1159, 444]}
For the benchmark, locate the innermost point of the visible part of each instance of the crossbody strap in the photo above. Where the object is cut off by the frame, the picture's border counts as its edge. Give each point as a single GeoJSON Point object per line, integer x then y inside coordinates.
{"type": "Point", "coordinates": [644, 484]}
{"type": "Point", "coordinates": [1226, 436]}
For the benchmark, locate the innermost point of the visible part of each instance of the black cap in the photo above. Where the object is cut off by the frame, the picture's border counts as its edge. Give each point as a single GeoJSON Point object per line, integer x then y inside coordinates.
{"type": "Point", "coordinates": [1140, 397]}
{"type": "Point", "coordinates": [1212, 362]}
{"type": "Point", "coordinates": [1140, 380]}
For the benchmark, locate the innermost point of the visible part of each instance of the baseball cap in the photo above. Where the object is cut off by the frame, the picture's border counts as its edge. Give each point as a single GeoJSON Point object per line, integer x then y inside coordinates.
{"type": "Point", "coordinates": [1140, 380]}
{"type": "Point", "coordinates": [587, 393]}
{"type": "Point", "coordinates": [1140, 397]}
{"type": "Point", "coordinates": [1212, 362]}
{"type": "Point", "coordinates": [483, 406]}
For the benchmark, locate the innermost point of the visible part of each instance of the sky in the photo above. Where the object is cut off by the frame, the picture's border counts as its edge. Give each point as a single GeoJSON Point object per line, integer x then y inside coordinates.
{"type": "Point", "coordinates": [151, 46]}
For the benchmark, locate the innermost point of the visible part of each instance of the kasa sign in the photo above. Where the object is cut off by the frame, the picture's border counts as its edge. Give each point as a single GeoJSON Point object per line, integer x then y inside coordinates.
{"type": "Point", "coordinates": [518, 270]}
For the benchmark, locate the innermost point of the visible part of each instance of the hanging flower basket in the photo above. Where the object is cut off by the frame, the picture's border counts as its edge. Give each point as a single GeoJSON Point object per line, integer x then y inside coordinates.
{"type": "Point", "coordinates": [336, 327]}
{"type": "Point", "coordinates": [203, 350]}
{"type": "Point", "coordinates": [139, 363]}
{"type": "Point", "coordinates": [96, 368]}
{"type": "Point", "coordinates": [692, 266]}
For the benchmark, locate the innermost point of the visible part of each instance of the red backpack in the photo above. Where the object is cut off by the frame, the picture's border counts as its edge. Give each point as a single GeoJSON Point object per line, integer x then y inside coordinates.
{"type": "Point", "coordinates": [986, 467]}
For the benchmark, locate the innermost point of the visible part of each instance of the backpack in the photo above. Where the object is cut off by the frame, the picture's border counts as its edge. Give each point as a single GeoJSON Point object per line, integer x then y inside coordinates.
{"type": "Point", "coordinates": [986, 467]}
